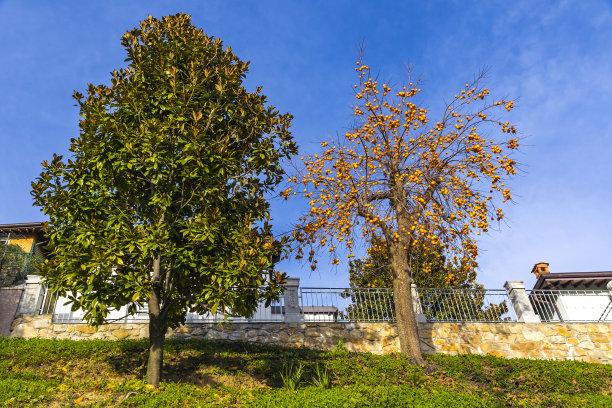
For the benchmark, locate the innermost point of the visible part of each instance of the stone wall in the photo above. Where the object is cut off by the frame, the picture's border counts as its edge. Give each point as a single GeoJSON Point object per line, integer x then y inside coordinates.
{"type": "Point", "coordinates": [590, 342]}
{"type": "Point", "coordinates": [558, 341]}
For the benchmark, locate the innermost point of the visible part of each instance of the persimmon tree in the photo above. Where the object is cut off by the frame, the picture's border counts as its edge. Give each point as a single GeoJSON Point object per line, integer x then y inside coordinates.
{"type": "Point", "coordinates": [410, 179]}
{"type": "Point", "coordinates": [162, 202]}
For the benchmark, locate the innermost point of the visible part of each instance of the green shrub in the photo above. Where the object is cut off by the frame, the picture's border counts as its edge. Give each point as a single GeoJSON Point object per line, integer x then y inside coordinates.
{"type": "Point", "coordinates": [292, 376]}
{"type": "Point", "coordinates": [322, 378]}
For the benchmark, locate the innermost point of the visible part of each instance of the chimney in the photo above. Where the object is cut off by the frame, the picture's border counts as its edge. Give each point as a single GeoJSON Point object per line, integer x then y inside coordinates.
{"type": "Point", "coordinates": [540, 268]}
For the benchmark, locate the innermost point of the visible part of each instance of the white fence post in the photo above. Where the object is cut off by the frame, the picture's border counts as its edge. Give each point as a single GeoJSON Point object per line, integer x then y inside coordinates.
{"type": "Point", "coordinates": [292, 301]}
{"type": "Point", "coordinates": [32, 296]}
{"type": "Point", "coordinates": [416, 305]}
{"type": "Point", "coordinates": [520, 302]}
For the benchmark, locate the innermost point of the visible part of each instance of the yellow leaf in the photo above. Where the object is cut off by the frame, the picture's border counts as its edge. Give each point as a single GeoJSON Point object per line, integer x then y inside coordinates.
{"type": "Point", "coordinates": [79, 400]}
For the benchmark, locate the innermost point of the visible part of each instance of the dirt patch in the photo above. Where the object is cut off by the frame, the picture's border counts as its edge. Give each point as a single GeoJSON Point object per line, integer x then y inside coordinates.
{"type": "Point", "coordinates": [207, 377]}
{"type": "Point", "coordinates": [85, 399]}
{"type": "Point", "coordinates": [186, 368]}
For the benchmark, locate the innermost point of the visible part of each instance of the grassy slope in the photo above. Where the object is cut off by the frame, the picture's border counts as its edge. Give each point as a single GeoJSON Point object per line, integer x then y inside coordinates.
{"type": "Point", "coordinates": [212, 373]}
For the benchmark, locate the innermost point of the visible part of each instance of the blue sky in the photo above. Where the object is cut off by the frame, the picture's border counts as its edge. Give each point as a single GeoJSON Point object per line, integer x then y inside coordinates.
{"type": "Point", "coordinates": [555, 58]}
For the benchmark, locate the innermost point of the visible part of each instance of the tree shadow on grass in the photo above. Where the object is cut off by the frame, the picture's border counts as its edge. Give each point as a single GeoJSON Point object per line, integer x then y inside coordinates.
{"type": "Point", "coordinates": [130, 359]}
{"type": "Point", "coordinates": [214, 363]}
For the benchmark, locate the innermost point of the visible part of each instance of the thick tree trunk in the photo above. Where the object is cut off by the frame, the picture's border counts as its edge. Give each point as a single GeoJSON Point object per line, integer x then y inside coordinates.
{"type": "Point", "coordinates": [157, 336]}
{"type": "Point", "coordinates": [158, 325]}
{"type": "Point", "coordinates": [406, 318]}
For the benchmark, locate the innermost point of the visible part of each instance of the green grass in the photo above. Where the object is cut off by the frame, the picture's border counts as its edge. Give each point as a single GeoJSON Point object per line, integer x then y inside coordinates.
{"type": "Point", "coordinates": [58, 373]}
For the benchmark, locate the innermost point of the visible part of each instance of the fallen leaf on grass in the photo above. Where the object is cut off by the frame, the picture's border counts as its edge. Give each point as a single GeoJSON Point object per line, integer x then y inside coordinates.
{"type": "Point", "coordinates": [79, 400]}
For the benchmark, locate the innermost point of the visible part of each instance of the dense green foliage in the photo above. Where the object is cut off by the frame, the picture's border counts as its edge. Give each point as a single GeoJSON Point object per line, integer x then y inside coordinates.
{"type": "Point", "coordinates": [429, 270]}
{"type": "Point", "coordinates": [13, 264]}
{"type": "Point", "coordinates": [164, 194]}
{"type": "Point", "coordinates": [216, 373]}
{"type": "Point", "coordinates": [163, 201]}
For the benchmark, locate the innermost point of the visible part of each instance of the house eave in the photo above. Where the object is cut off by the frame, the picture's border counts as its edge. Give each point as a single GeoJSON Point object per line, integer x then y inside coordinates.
{"type": "Point", "coordinates": [568, 280]}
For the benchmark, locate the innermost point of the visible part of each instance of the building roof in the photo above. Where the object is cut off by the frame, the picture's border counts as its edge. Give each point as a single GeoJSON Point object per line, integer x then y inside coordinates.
{"type": "Point", "coordinates": [307, 309]}
{"type": "Point", "coordinates": [569, 280]}
{"type": "Point", "coordinates": [319, 309]}
{"type": "Point", "coordinates": [22, 227]}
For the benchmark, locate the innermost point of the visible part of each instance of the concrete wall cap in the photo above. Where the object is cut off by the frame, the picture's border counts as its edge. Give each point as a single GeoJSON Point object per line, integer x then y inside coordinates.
{"type": "Point", "coordinates": [33, 279]}
{"type": "Point", "coordinates": [514, 285]}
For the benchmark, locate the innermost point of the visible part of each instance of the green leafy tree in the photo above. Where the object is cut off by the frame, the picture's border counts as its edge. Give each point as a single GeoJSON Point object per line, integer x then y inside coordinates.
{"type": "Point", "coordinates": [429, 265]}
{"type": "Point", "coordinates": [163, 200]}
{"type": "Point", "coordinates": [14, 264]}
{"type": "Point", "coordinates": [431, 271]}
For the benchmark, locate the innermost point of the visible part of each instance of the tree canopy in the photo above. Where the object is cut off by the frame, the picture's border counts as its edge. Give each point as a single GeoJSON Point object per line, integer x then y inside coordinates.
{"type": "Point", "coordinates": [163, 200]}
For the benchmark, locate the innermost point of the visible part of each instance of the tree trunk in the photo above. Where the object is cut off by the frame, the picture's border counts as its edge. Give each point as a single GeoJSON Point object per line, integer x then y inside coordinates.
{"type": "Point", "coordinates": [406, 318]}
{"type": "Point", "coordinates": [157, 336]}
{"type": "Point", "coordinates": [158, 325]}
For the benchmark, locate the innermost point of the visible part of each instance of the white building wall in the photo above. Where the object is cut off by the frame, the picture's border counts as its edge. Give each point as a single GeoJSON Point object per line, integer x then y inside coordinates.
{"type": "Point", "coordinates": [583, 307]}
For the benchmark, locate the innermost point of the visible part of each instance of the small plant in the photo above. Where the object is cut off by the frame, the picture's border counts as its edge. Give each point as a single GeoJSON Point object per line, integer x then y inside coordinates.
{"type": "Point", "coordinates": [416, 378]}
{"type": "Point", "coordinates": [322, 378]}
{"type": "Point", "coordinates": [340, 348]}
{"type": "Point", "coordinates": [292, 376]}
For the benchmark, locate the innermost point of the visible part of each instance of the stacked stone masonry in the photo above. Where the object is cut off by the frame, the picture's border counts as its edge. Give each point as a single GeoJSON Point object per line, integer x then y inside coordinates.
{"type": "Point", "coordinates": [590, 342]}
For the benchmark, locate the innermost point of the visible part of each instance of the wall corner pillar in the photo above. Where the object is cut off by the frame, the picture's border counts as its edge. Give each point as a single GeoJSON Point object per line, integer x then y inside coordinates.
{"type": "Point", "coordinates": [292, 301]}
{"type": "Point", "coordinates": [416, 304]}
{"type": "Point", "coordinates": [31, 298]}
{"type": "Point", "coordinates": [520, 302]}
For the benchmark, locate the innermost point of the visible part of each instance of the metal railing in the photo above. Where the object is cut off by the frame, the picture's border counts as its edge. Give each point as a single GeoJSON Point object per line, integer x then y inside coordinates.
{"type": "Point", "coordinates": [347, 304]}
{"type": "Point", "coordinates": [465, 305]}
{"type": "Point", "coordinates": [572, 305]}
{"type": "Point", "coordinates": [273, 313]}
{"type": "Point", "coordinates": [63, 313]}
{"type": "Point", "coordinates": [49, 301]}
{"type": "Point", "coordinates": [377, 305]}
